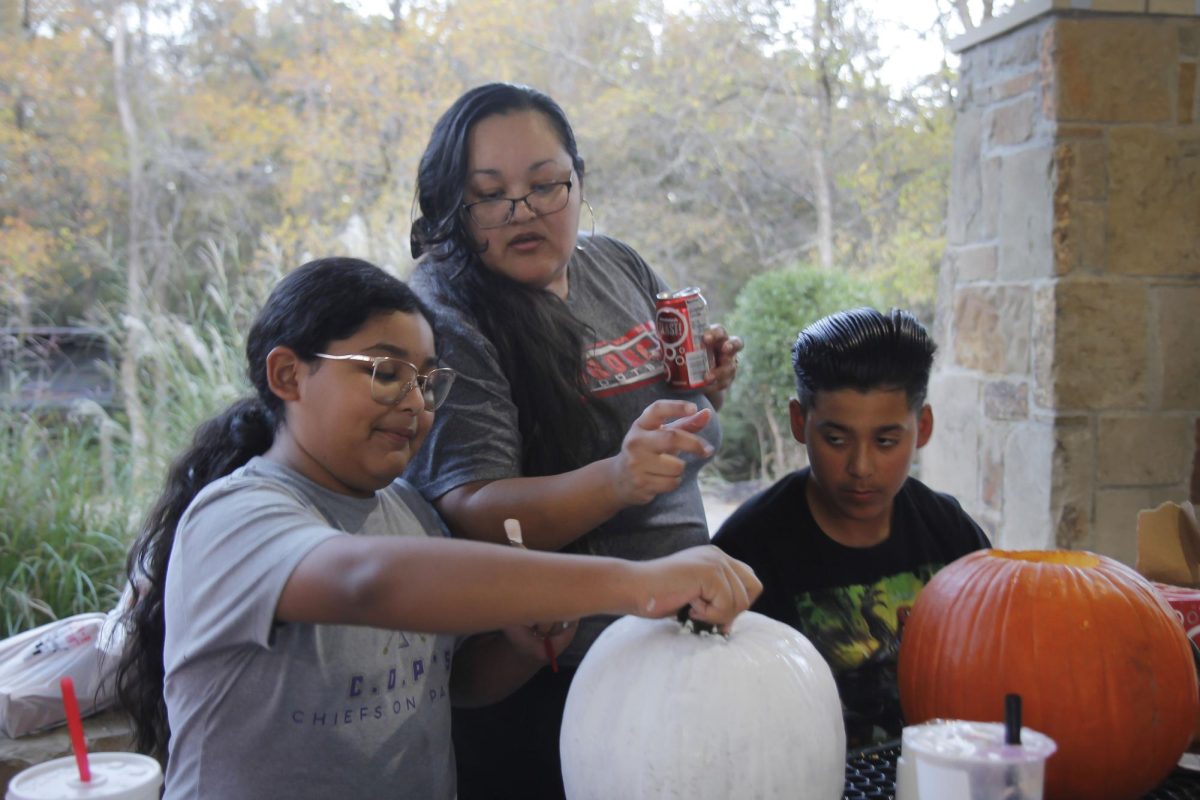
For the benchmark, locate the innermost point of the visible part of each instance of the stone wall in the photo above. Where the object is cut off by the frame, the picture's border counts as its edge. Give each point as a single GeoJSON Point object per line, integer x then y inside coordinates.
{"type": "Point", "coordinates": [1069, 300]}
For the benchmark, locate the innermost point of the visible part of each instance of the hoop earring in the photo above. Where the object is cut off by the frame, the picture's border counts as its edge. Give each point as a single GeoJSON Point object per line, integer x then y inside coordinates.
{"type": "Point", "coordinates": [592, 214]}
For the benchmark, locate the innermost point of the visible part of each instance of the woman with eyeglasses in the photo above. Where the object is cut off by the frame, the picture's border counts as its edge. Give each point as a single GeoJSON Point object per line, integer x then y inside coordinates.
{"type": "Point", "coordinates": [561, 417]}
{"type": "Point", "coordinates": [295, 605]}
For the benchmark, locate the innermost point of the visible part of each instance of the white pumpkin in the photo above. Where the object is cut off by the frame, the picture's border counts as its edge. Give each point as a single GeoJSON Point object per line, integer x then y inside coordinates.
{"type": "Point", "coordinates": [656, 711]}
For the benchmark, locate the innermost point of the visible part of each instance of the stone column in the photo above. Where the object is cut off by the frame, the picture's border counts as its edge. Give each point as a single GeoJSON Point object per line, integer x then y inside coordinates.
{"type": "Point", "coordinates": [1068, 315]}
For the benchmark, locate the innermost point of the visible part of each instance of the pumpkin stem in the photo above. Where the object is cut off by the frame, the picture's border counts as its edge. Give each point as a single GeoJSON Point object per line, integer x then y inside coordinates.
{"type": "Point", "coordinates": [696, 626]}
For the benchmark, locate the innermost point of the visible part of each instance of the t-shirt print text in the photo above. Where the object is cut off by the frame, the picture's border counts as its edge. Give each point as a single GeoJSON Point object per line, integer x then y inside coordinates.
{"type": "Point", "coordinates": [633, 359]}
{"type": "Point", "coordinates": [396, 692]}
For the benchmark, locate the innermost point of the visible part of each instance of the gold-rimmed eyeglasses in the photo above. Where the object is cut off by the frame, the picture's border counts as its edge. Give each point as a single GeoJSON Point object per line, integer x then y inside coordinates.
{"type": "Point", "coordinates": [393, 378]}
{"type": "Point", "coordinates": [543, 199]}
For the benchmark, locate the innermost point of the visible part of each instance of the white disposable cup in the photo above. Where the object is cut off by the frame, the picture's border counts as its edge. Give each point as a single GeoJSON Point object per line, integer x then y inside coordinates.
{"type": "Point", "coordinates": [906, 768]}
{"type": "Point", "coordinates": [906, 778]}
{"type": "Point", "coordinates": [115, 776]}
{"type": "Point", "coordinates": [963, 760]}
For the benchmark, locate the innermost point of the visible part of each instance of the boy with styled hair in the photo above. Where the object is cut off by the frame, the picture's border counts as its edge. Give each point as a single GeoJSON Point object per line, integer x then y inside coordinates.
{"type": "Point", "coordinates": [843, 546]}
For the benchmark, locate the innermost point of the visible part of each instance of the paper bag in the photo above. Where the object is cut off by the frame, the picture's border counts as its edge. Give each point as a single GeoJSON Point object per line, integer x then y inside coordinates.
{"type": "Point", "coordinates": [85, 647]}
{"type": "Point", "coordinates": [1168, 542]}
{"type": "Point", "coordinates": [1168, 545]}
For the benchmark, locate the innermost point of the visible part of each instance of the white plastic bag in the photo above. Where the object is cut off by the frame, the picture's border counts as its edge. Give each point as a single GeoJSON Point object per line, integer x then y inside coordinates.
{"type": "Point", "coordinates": [86, 647]}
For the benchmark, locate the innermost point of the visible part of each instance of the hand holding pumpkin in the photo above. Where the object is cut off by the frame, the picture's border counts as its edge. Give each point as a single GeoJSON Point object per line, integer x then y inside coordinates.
{"type": "Point", "coordinates": [715, 585]}
{"type": "Point", "coordinates": [649, 463]}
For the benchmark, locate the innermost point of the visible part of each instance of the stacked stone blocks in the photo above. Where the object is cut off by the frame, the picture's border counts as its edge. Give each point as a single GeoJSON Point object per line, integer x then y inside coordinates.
{"type": "Point", "coordinates": [1069, 299]}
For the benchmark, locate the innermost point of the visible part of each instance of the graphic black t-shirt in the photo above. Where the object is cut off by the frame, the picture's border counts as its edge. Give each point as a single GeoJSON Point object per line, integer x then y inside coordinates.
{"type": "Point", "coordinates": [850, 602]}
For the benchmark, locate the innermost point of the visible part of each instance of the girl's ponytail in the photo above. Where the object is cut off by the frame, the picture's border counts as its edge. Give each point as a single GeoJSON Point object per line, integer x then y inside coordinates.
{"type": "Point", "coordinates": [220, 445]}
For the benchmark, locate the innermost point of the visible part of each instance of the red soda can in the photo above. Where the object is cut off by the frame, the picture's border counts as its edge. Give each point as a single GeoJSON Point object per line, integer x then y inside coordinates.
{"type": "Point", "coordinates": [681, 318]}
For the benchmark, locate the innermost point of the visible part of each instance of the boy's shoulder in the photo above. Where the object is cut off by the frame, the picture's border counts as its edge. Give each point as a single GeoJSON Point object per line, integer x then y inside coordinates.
{"type": "Point", "coordinates": [787, 490]}
{"type": "Point", "coordinates": [927, 497]}
{"type": "Point", "coordinates": [780, 500]}
{"type": "Point", "coordinates": [939, 511]}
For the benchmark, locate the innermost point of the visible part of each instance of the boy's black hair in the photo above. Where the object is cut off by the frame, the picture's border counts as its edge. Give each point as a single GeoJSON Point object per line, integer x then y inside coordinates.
{"type": "Point", "coordinates": [863, 349]}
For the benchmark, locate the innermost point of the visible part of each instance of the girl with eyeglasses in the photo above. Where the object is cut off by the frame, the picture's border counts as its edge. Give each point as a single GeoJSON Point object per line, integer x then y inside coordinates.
{"type": "Point", "coordinates": [295, 606]}
{"type": "Point", "coordinates": [561, 416]}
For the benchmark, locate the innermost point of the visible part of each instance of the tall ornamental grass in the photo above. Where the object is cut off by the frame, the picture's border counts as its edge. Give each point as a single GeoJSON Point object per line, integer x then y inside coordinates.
{"type": "Point", "coordinates": [62, 537]}
{"type": "Point", "coordinates": [69, 504]}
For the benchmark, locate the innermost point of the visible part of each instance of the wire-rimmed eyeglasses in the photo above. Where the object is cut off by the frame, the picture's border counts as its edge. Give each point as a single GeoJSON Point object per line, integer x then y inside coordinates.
{"type": "Point", "coordinates": [542, 200]}
{"type": "Point", "coordinates": [393, 378]}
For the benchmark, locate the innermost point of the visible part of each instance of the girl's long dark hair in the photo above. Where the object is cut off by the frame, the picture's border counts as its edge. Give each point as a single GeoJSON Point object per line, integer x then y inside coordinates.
{"type": "Point", "coordinates": [321, 302]}
{"type": "Point", "coordinates": [541, 345]}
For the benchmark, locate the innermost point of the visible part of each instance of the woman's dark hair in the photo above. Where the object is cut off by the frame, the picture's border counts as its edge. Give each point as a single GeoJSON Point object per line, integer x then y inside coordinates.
{"type": "Point", "coordinates": [863, 349]}
{"type": "Point", "coordinates": [321, 302]}
{"type": "Point", "coordinates": [540, 343]}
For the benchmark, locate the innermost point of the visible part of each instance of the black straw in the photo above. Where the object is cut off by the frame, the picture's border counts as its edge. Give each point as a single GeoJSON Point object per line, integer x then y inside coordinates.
{"type": "Point", "coordinates": [1012, 719]}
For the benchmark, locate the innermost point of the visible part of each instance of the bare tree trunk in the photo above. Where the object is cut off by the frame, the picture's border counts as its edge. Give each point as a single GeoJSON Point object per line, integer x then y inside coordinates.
{"type": "Point", "coordinates": [764, 450]}
{"type": "Point", "coordinates": [134, 270]}
{"type": "Point", "coordinates": [964, 14]}
{"type": "Point", "coordinates": [24, 320]}
{"type": "Point", "coordinates": [824, 209]}
{"type": "Point", "coordinates": [821, 24]}
{"type": "Point", "coordinates": [779, 466]}
{"type": "Point", "coordinates": [963, 11]}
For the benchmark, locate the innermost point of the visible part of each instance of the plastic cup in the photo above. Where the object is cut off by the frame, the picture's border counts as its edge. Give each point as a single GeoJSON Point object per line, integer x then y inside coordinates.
{"type": "Point", "coordinates": [115, 776]}
{"type": "Point", "coordinates": [962, 760]}
{"type": "Point", "coordinates": [906, 768]}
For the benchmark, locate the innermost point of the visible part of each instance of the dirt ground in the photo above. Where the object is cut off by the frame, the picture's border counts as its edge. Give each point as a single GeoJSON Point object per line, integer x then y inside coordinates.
{"type": "Point", "coordinates": [721, 499]}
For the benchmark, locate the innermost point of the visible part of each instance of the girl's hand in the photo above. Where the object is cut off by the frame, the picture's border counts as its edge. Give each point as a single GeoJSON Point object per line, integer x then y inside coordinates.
{"type": "Point", "coordinates": [724, 349]}
{"type": "Point", "coordinates": [717, 586]}
{"type": "Point", "coordinates": [649, 463]}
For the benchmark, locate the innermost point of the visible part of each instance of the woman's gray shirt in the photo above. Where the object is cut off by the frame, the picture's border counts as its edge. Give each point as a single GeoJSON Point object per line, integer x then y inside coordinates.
{"type": "Point", "coordinates": [475, 435]}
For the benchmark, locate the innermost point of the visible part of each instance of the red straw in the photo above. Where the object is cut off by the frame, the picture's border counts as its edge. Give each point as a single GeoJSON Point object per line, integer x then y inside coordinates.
{"type": "Point", "coordinates": [75, 726]}
{"type": "Point", "coordinates": [550, 654]}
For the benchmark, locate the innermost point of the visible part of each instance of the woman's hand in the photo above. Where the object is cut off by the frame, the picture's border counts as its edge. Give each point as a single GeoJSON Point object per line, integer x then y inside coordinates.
{"type": "Point", "coordinates": [491, 666]}
{"type": "Point", "coordinates": [538, 642]}
{"type": "Point", "coordinates": [724, 349]}
{"type": "Point", "coordinates": [717, 586]}
{"type": "Point", "coordinates": [649, 463]}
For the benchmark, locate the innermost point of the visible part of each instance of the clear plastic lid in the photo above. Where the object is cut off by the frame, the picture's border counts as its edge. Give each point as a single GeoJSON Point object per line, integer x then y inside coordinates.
{"type": "Point", "coordinates": [961, 741]}
{"type": "Point", "coordinates": [115, 776]}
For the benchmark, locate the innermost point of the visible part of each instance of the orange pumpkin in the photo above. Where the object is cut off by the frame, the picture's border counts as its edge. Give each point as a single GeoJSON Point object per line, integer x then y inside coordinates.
{"type": "Point", "coordinates": [1102, 664]}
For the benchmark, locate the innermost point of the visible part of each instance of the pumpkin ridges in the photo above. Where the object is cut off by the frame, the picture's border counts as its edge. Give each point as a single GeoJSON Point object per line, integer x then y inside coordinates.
{"type": "Point", "coordinates": [655, 713]}
{"type": "Point", "coordinates": [1161, 631]}
{"type": "Point", "coordinates": [1106, 596]}
{"type": "Point", "coordinates": [1006, 608]}
{"type": "Point", "coordinates": [1087, 657]}
{"type": "Point", "coordinates": [985, 648]}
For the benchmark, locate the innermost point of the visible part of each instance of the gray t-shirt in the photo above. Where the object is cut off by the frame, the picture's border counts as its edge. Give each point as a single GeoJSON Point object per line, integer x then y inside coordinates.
{"type": "Point", "coordinates": [475, 436]}
{"type": "Point", "coordinates": [260, 708]}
